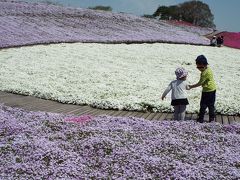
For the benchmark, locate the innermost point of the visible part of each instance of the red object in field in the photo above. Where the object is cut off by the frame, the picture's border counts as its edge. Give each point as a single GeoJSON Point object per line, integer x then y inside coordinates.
{"type": "Point", "coordinates": [186, 23]}
{"type": "Point", "coordinates": [182, 23]}
{"type": "Point", "coordinates": [231, 39]}
{"type": "Point", "coordinates": [80, 119]}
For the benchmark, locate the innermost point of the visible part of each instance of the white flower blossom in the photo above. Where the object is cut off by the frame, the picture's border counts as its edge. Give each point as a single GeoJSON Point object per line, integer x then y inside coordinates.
{"type": "Point", "coordinates": [118, 76]}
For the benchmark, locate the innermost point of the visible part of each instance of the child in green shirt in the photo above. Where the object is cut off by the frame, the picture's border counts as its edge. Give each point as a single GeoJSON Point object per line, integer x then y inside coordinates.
{"type": "Point", "coordinates": [208, 89]}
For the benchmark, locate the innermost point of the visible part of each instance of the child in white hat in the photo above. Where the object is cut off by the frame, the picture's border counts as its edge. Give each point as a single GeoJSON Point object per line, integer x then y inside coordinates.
{"type": "Point", "coordinates": [179, 95]}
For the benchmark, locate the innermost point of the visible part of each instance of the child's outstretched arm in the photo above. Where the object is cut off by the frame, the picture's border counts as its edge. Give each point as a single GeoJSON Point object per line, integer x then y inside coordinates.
{"type": "Point", "coordinates": [200, 83]}
{"type": "Point", "coordinates": [195, 85]}
{"type": "Point", "coordinates": [167, 90]}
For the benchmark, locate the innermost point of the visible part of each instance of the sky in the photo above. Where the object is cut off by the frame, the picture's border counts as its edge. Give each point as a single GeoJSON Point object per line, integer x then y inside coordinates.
{"type": "Point", "coordinates": [226, 12]}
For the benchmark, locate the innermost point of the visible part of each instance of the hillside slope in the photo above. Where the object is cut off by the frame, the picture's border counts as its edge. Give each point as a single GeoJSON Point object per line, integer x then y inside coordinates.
{"type": "Point", "coordinates": [23, 23]}
{"type": "Point", "coordinates": [190, 27]}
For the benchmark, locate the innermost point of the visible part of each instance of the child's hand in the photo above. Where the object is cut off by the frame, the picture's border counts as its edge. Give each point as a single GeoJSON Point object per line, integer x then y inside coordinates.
{"type": "Point", "coordinates": [188, 87]}
{"type": "Point", "coordinates": [163, 98]}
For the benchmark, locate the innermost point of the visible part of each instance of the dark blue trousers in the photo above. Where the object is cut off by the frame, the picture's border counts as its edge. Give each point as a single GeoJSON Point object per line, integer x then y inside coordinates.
{"type": "Point", "coordinates": [207, 101]}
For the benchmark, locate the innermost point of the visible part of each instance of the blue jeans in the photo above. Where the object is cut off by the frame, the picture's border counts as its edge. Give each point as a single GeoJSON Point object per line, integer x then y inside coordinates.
{"type": "Point", "coordinates": [179, 112]}
{"type": "Point", "coordinates": [207, 101]}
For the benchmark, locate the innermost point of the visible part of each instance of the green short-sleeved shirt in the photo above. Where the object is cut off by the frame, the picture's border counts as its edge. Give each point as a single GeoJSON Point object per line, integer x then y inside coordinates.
{"type": "Point", "coordinates": [207, 80]}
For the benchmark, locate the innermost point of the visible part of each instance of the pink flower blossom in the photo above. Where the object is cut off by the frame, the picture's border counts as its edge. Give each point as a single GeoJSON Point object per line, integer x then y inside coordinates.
{"type": "Point", "coordinates": [80, 119]}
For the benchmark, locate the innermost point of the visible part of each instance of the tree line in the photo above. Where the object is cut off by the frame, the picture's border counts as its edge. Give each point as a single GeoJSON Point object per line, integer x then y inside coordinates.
{"type": "Point", "coordinates": [195, 12]}
{"type": "Point", "coordinates": [102, 8]}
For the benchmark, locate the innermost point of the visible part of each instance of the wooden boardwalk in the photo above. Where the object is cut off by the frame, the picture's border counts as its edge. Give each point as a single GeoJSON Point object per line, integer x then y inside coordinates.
{"type": "Point", "coordinates": [37, 104]}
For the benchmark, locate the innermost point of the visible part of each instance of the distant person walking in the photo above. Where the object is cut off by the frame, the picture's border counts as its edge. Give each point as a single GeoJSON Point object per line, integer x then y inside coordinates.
{"type": "Point", "coordinates": [213, 41]}
{"type": "Point", "coordinates": [220, 41]}
{"type": "Point", "coordinates": [208, 89]}
{"type": "Point", "coordinates": [179, 95]}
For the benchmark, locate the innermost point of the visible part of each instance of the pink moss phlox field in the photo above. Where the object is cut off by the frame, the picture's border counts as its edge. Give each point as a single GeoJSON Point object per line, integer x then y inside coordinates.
{"type": "Point", "coordinates": [39, 145]}
{"type": "Point", "coordinates": [231, 39]}
{"type": "Point", "coordinates": [79, 119]}
{"type": "Point", "coordinates": [23, 23]}
{"type": "Point", "coordinates": [191, 28]}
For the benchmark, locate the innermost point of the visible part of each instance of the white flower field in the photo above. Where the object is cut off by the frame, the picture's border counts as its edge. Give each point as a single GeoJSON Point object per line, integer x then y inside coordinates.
{"type": "Point", "coordinates": [118, 76]}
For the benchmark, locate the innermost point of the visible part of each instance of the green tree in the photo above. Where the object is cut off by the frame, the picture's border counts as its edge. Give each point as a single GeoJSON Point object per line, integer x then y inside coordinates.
{"type": "Point", "coordinates": [166, 12]}
{"type": "Point", "coordinates": [195, 12]}
{"type": "Point", "coordinates": [148, 16]}
{"type": "Point", "coordinates": [102, 8]}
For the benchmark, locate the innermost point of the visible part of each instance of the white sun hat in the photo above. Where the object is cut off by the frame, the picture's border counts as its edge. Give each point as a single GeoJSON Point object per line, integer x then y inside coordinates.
{"type": "Point", "coordinates": [181, 72]}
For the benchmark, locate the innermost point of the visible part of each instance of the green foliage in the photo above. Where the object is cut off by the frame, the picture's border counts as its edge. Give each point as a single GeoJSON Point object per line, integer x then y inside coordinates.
{"type": "Point", "coordinates": [166, 13]}
{"type": "Point", "coordinates": [148, 16]}
{"type": "Point", "coordinates": [102, 8]}
{"type": "Point", "coordinates": [195, 12]}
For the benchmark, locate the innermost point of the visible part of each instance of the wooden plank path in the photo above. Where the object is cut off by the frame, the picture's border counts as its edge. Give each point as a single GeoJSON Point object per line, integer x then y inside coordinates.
{"type": "Point", "coordinates": [36, 104]}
